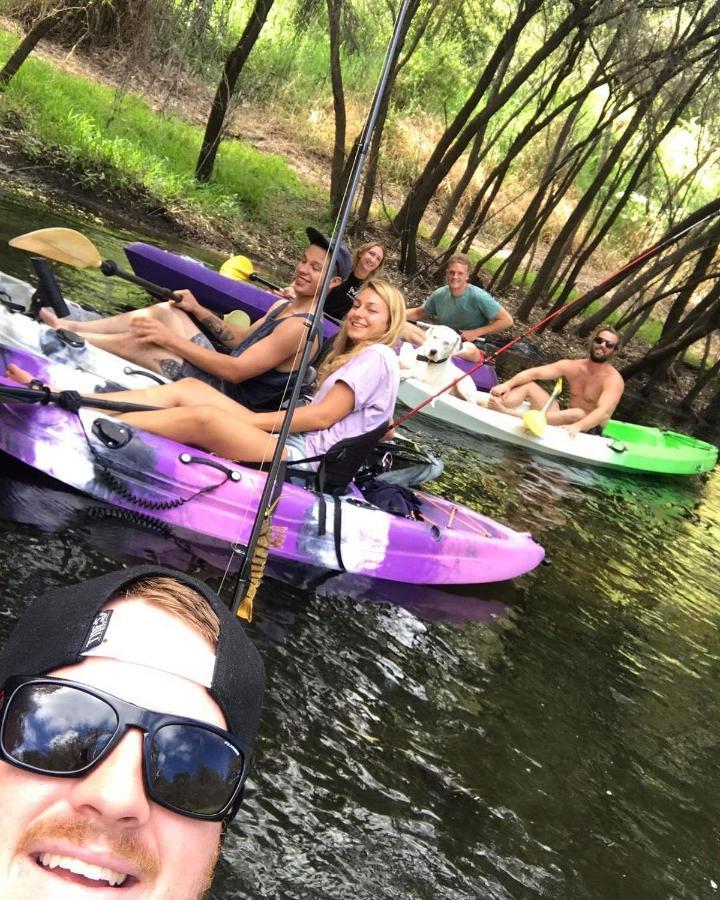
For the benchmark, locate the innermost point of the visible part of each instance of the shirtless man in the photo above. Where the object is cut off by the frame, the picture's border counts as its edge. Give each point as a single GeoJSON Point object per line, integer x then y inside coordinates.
{"type": "Point", "coordinates": [165, 337]}
{"type": "Point", "coordinates": [468, 309]}
{"type": "Point", "coordinates": [595, 384]}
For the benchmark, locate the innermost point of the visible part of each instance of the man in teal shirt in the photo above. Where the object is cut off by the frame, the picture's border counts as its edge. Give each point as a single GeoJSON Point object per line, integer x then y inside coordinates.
{"type": "Point", "coordinates": [460, 305]}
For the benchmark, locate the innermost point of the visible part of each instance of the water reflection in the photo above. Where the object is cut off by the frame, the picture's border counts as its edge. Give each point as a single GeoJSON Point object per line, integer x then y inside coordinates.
{"type": "Point", "coordinates": [20, 213]}
{"type": "Point", "coordinates": [562, 746]}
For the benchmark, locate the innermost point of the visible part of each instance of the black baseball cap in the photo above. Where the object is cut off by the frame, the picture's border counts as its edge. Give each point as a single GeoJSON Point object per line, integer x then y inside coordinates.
{"type": "Point", "coordinates": [57, 629]}
{"type": "Point", "coordinates": [343, 261]}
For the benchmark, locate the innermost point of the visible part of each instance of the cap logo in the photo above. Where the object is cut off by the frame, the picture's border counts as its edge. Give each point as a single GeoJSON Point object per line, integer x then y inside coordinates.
{"type": "Point", "coordinates": [97, 631]}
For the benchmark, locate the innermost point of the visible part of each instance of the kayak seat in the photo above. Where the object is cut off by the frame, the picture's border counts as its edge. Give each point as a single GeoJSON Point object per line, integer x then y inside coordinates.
{"type": "Point", "coordinates": [334, 474]}
{"type": "Point", "coordinates": [338, 465]}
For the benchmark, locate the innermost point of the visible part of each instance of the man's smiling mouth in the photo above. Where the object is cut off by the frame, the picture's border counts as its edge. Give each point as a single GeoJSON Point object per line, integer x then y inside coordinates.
{"type": "Point", "coordinates": [77, 867]}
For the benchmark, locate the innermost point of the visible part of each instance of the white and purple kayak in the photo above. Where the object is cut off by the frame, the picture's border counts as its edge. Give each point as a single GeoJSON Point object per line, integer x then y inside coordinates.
{"type": "Point", "coordinates": [217, 498]}
{"type": "Point", "coordinates": [26, 333]}
{"type": "Point", "coordinates": [223, 294]}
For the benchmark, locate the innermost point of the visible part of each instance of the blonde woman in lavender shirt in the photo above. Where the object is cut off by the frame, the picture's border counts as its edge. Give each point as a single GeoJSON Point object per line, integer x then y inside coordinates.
{"type": "Point", "coordinates": [358, 384]}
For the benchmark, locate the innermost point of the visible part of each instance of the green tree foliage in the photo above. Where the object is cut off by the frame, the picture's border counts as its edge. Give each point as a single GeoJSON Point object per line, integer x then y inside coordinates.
{"type": "Point", "coordinates": [537, 134]}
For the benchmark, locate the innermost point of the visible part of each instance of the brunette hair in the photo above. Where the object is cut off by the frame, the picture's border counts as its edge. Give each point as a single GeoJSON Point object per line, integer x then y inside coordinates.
{"type": "Point", "coordinates": [344, 349]}
{"type": "Point", "coordinates": [612, 331]}
{"type": "Point", "coordinates": [178, 600]}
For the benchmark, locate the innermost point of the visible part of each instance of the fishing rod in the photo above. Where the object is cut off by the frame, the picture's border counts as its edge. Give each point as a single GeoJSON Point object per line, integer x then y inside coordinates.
{"type": "Point", "coordinates": [604, 285]}
{"type": "Point", "coordinates": [270, 489]}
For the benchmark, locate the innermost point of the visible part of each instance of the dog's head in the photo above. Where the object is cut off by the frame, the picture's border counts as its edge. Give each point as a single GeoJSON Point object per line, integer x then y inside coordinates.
{"type": "Point", "coordinates": [440, 344]}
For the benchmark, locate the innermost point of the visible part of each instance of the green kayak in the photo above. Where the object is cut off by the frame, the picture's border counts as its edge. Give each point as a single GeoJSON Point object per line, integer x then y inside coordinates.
{"type": "Point", "coordinates": [622, 445]}
{"type": "Point", "coordinates": [653, 450]}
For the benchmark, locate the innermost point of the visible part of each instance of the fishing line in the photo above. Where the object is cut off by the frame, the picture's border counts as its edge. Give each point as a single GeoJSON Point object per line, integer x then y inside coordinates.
{"type": "Point", "coordinates": [261, 520]}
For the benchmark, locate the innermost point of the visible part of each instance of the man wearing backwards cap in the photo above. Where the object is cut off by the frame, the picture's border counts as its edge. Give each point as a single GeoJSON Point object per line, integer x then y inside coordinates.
{"type": "Point", "coordinates": [129, 704]}
{"type": "Point", "coordinates": [167, 339]}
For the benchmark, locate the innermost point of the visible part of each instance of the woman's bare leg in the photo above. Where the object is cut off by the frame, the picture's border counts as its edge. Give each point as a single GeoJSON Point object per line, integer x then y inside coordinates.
{"type": "Point", "coordinates": [209, 428]}
{"type": "Point", "coordinates": [191, 412]}
{"type": "Point", "coordinates": [178, 394]}
{"type": "Point", "coordinates": [183, 393]}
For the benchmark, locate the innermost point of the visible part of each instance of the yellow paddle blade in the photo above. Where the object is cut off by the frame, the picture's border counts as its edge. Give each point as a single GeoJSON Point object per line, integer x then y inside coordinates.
{"type": "Point", "coordinates": [238, 267]}
{"type": "Point", "coordinates": [238, 317]}
{"type": "Point", "coordinates": [534, 420]}
{"type": "Point", "coordinates": [61, 244]}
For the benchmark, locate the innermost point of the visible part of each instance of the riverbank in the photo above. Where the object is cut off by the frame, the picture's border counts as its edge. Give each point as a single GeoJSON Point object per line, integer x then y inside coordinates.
{"type": "Point", "coordinates": [90, 151]}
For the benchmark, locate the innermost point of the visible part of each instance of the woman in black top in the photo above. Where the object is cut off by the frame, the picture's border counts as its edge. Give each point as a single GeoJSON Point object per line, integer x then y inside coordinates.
{"type": "Point", "coordinates": [367, 262]}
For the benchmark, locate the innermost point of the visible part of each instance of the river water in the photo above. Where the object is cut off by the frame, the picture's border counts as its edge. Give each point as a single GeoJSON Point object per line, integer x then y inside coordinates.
{"type": "Point", "coordinates": [552, 737]}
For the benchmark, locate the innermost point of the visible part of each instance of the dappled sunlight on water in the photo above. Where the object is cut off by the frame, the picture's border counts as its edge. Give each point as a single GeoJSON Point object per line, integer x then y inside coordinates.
{"type": "Point", "coordinates": [555, 736]}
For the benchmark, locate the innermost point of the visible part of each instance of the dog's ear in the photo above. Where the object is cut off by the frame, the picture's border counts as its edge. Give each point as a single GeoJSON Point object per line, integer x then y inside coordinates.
{"type": "Point", "coordinates": [458, 344]}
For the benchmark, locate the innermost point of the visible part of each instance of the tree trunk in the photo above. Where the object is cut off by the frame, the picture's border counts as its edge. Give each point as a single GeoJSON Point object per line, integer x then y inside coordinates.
{"type": "Point", "coordinates": [461, 131]}
{"type": "Point", "coordinates": [473, 161]}
{"type": "Point", "coordinates": [27, 45]}
{"type": "Point", "coordinates": [221, 101]}
{"type": "Point", "coordinates": [640, 164]}
{"type": "Point", "coordinates": [334, 8]}
{"type": "Point", "coordinates": [703, 379]}
{"type": "Point", "coordinates": [660, 353]}
{"type": "Point", "coordinates": [562, 242]}
{"type": "Point", "coordinates": [709, 210]}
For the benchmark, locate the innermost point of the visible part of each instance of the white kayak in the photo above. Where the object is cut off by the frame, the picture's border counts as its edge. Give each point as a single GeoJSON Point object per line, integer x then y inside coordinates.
{"type": "Point", "coordinates": [622, 445]}
{"type": "Point", "coordinates": [26, 333]}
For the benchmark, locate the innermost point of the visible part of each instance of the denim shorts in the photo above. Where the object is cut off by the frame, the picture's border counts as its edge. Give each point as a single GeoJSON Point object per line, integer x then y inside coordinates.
{"type": "Point", "coordinates": [295, 446]}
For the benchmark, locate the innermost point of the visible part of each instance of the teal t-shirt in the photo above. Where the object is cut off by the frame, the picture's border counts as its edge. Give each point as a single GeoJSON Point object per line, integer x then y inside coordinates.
{"type": "Point", "coordinates": [474, 308]}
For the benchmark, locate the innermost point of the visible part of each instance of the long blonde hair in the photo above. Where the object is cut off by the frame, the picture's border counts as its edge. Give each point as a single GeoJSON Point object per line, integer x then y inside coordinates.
{"type": "Point", "coordinates": [344, 349]}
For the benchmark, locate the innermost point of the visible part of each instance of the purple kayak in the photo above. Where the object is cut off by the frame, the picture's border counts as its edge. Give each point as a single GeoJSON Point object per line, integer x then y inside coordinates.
{"type": "Point", "coordinates": [224, 294]}
{"type": "Point", "coordinates": [217, 498]}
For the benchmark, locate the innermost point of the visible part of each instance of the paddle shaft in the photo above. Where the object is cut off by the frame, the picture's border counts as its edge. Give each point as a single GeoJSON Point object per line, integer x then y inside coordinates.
{"type": "Point", "coordinates": [109, 267]}
{"type": "Point", "coordinates": [266, 281]}
{"type": "Point", "coordinates": [20, 394]}
{"type": "Point", "coordinates": [555, 393]}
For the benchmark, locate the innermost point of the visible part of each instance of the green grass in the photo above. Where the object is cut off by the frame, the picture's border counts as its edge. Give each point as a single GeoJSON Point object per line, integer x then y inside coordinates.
{"type": "Point", "coordinates": [119, 143]}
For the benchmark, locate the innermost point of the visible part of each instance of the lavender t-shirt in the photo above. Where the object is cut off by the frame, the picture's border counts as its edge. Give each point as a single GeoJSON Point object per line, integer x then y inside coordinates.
{"type": "Point", "coordinates": [373, 376]}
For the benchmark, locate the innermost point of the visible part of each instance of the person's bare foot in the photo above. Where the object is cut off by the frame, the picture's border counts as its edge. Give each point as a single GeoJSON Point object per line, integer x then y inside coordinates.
{"type": "Point", "coordinates": [497, 404]}
{"type": "Point", "coordinates": [48, 317]}
{"type": "Point", "coordinates": [15, 373]}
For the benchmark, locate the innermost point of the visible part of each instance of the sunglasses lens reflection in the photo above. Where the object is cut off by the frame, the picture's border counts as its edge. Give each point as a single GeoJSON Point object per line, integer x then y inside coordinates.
{"type": "Point", "coordinates": [57, 729]}
{"type": "Point", "coordinates": [193, 769]}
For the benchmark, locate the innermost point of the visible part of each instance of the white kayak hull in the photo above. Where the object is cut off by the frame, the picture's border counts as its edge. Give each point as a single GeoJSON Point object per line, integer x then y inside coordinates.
{"type": "Point", "coordinates": [623, 446]}
{"type": "Point", "coordinates": [25, 333]}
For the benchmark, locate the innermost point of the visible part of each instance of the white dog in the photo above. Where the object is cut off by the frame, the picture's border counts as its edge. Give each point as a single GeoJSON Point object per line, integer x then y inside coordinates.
{"type": "Point", "coordinates": [431, 363]}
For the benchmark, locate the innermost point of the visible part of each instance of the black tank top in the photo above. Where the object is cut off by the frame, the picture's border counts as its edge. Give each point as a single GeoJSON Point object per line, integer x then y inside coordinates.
{"type": "Point", "coordinates": [264, 392]}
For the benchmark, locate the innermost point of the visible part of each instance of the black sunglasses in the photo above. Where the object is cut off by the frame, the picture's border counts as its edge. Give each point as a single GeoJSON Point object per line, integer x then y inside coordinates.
{"type": "Point", "coordinates": [51, 726]}
{"type": "Point", "coordinates": [611, 345]}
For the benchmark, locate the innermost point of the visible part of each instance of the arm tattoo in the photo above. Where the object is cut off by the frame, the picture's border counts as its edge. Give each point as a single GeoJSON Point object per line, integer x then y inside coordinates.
{"type": "Point", "coordinates": [218, 329]}
{"type": "Point", "coordinates": [170, 368]}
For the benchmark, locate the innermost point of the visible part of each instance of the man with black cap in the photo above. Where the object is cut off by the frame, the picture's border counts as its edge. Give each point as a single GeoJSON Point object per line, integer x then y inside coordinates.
{"type": "Point", "coordinates": [128, 708]}
{"type": "Point", "coordinates": [260, 359]}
